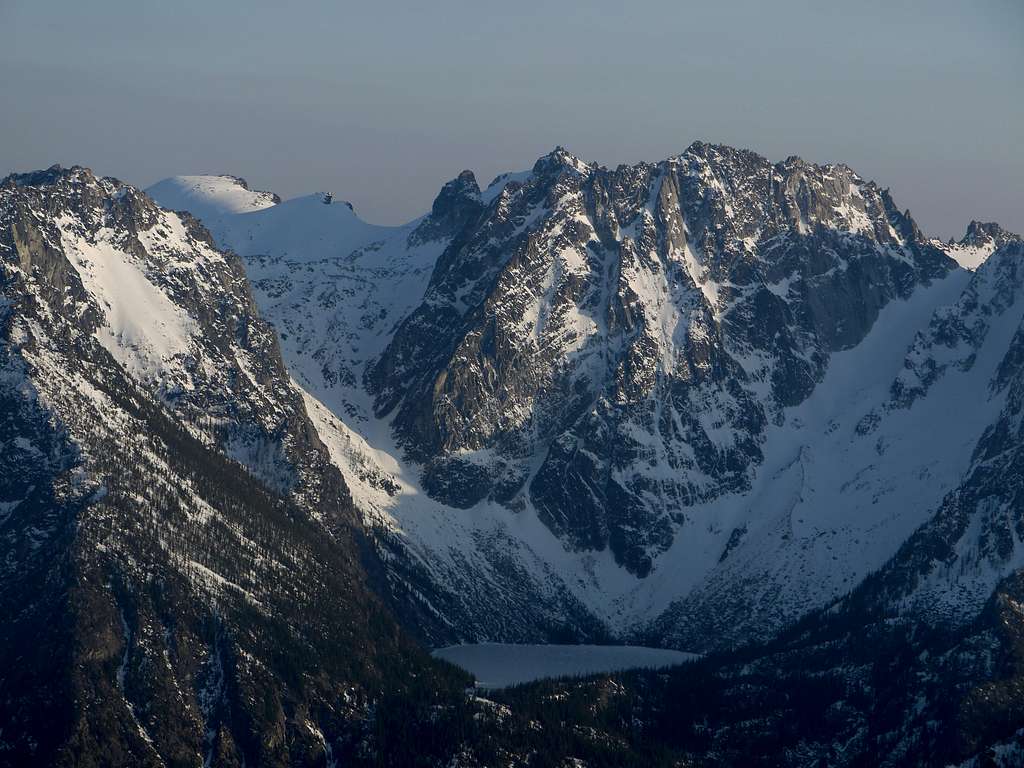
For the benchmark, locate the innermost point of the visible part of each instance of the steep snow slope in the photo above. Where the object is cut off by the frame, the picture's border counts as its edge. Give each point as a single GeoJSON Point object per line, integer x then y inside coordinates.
{"type": "Point", "coordinates": [974, 349]}
{"type": "Point", "coordinates": [845, 481]}
{"type": "Point", "coordinates": [660, 397]}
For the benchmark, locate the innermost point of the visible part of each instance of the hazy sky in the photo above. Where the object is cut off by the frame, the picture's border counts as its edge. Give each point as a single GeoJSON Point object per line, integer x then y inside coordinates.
{"type": "Point", "coordinates": [382, 101]}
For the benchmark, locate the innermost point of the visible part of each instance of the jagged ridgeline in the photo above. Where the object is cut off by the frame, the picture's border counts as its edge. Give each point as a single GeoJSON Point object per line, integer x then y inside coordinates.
{"type": "Point", "coordinates": [182, 577]}
{"type": "Point", "coordinates": [675, 401]}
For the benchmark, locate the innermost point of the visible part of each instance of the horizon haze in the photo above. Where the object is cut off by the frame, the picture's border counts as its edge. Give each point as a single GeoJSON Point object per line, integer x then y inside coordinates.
{"type": "Point", "coordinates": [382, 105]}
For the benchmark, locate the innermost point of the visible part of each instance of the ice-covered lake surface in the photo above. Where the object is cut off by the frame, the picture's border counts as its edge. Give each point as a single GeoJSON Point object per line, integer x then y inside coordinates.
{"type": "Point", "coordinates": [498, 665]}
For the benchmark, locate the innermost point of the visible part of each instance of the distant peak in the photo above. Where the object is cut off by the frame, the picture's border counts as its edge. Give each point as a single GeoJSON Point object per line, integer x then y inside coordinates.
{"type": "Point", "coordinates": [458, 201]}
{"type": "Point", "coordinates": [705, 153]}
{"type": "Point", "coordinates": [467, 179]}
{"type": "Point", "coordinates": [464, 184]}
{"type": "Point", "coordinates": [987, 233]}
{"type": "Point", "coordinates": [560, 159]}
{"type": "Point", "coordinates": [455, 195]}
{"type": "Point", "coordinates": [982, 239]}
{"type": "Point", "coordinates": [210, 195]}
{"type": "Point", "coordinates": [703, 149]}
{"type": "Point", "coordinates": [52, 175]}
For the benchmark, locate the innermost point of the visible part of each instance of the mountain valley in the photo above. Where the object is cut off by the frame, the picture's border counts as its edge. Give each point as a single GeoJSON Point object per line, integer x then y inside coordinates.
{"type": "Point", "coordinates": [260, 456]}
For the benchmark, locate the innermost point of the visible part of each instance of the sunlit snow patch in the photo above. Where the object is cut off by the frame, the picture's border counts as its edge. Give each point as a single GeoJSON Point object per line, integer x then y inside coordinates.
{"type": "Point", "coordinates": [209, 196]}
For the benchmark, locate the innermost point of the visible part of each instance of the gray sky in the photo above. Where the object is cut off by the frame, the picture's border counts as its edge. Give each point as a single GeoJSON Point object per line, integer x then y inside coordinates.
{"type": "Point", "coordinates": [383, 101]}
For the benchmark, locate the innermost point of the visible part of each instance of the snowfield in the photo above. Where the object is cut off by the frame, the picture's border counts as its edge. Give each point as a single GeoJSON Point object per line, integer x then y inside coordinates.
{"type": "Point", "coordinates": [499, 665]}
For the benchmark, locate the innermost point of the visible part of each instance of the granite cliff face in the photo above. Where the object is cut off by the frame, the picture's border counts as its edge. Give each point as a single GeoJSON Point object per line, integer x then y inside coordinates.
{"type": "Point", "coordinates": [611, 344]}
{"type": "Point", "coordinates": [672, 401]}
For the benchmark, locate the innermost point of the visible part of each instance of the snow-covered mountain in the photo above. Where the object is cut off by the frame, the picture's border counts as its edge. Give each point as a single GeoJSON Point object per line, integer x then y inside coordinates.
{"type": "Point", "coordinates": [689, 400]}
{"type": "Point", "coordinates": [182, 572]}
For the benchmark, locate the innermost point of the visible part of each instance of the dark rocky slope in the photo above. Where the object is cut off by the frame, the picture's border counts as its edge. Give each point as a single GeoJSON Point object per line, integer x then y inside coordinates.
{"type": "Point", "coordinates": [182, 574]}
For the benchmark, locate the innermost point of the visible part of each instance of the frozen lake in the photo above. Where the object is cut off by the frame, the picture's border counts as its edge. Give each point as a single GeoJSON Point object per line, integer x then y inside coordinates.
{"type": "Point", "coordinates": [498, 665]}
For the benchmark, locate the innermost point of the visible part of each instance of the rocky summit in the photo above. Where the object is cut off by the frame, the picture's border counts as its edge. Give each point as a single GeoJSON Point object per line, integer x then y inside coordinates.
{"type": "Point", "coordinates": [610, 347]}
{"type": "Point", "coordinates": [257, 454]}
